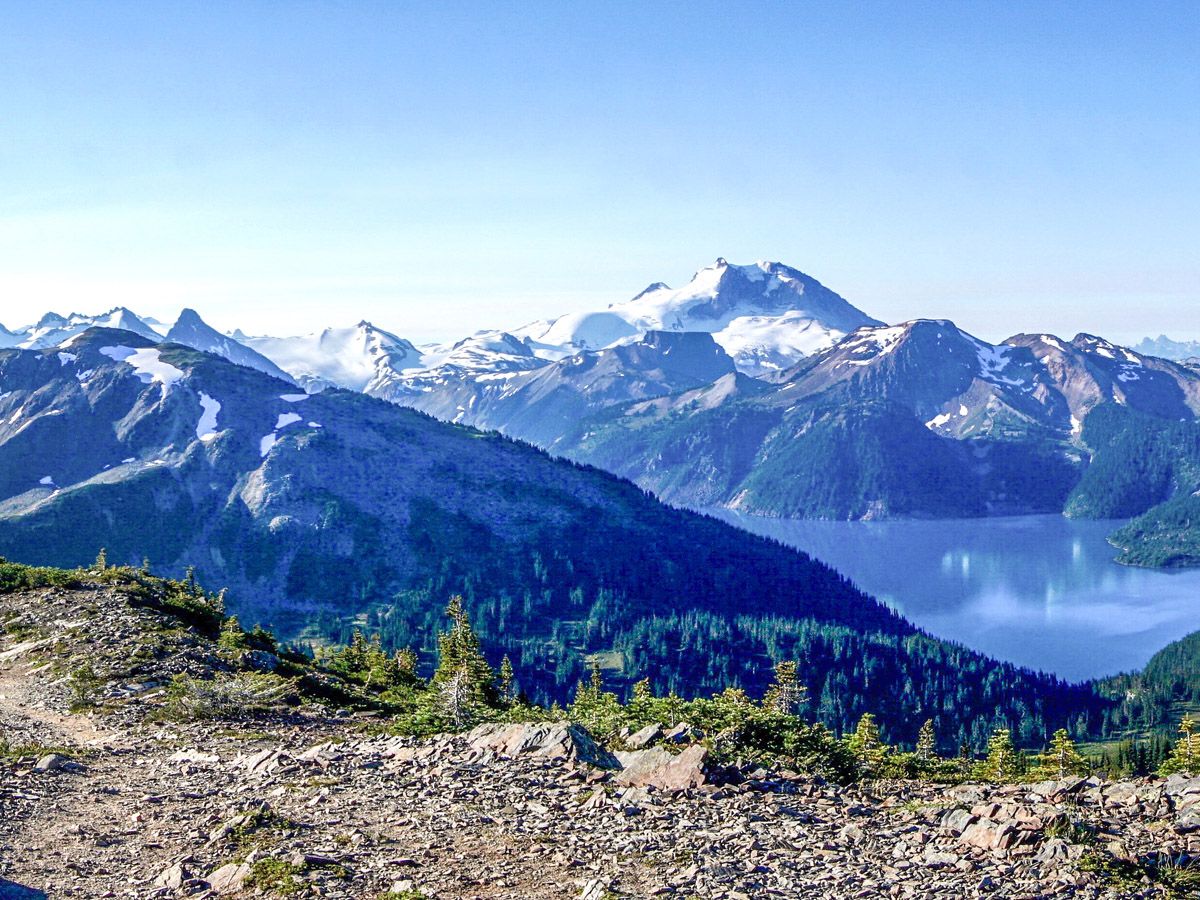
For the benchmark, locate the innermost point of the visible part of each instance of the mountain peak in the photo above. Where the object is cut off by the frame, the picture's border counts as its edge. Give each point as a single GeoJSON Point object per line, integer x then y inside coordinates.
{"type": "Point", "coordinates": [192, 331]}
{"type": "Point", "coordinates": [51, 320]}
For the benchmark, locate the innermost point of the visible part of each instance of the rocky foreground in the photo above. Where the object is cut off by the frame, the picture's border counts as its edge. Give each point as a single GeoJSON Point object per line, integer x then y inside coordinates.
{"type": "Point", "coordinates": [311, 803]}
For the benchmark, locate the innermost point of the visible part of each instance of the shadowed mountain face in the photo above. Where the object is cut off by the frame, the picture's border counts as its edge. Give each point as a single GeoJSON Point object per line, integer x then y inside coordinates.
{"type": "Point", "coordinates": [919, 419]}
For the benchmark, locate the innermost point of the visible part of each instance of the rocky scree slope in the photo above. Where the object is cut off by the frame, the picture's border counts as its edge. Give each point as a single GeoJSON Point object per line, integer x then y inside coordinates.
{"type": "Point", "coordinates": [309, 802]}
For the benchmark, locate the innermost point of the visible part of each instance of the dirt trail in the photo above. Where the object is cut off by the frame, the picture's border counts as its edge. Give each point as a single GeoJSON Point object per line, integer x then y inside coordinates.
{"type": "Point", "coordinates": [26, 718]}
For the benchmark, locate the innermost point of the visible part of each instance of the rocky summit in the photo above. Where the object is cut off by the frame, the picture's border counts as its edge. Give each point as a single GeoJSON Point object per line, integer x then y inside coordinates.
{"type": "Point", "coordinates": [117, 799]}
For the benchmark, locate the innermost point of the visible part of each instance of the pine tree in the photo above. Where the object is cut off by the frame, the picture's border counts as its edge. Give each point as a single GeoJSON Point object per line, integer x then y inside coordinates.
{"type": "Point", "coordinates": [101, 560]}
{"type": "Point", "coordinates": [866, 746]}
{"type": "Point", "coordinates": [406, 663]}
{"type": "Point", "coordinates": [786, 695]}
{"type": "Point", "coordinates": [464, 681]}
{"type": "Point", "coordinates": [596, 709]}
{"type": "Point", "coordinates": [1185, 756]}
{"type": "Point", "coordinates": [1062, 759]}
{"type": "Point", "coordinates": [1001, 764]}
{"type": "Point", "coordinates": [507, 694]}
{"type": "Point", "coordinates": [927, 743]}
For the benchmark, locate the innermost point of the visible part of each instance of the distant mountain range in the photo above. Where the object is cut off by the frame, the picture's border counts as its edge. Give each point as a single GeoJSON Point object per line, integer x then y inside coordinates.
{"type": "Point", "coordinates": [1168, 349]}
{"type": "Point", "coordinates": [757, 388]}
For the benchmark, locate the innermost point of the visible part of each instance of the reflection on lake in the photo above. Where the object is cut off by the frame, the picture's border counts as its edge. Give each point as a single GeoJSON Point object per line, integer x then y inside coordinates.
{"type": "Point", "coordinates": [1041, 591]}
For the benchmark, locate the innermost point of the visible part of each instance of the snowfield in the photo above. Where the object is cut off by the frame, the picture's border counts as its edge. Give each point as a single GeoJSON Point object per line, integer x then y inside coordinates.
{"type": "Point", "coordinates": [147, 364]}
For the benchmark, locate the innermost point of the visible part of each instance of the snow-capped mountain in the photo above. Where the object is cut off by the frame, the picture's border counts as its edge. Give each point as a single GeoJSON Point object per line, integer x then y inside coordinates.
{"type": "Point", "coordinates": [447, 369]}
{"type": "Point", "coordinates": [8, 338]}
{"type": "Point", "coordinates": [1088, 371]}
{"type": "Point", "coordinates": [955, 383]}
{"type": "Point", "coordinates": [352, 358]}
{"type": "Point", "coordinates": [541, 404]}
{"type": "Point", "coordinates": [335, 502]}
{"type": "Point", "coordinates": [766, 316]}
{"type": "Point", "coordinates": [192, 331]}
{"type": "Point", "coordinates": [53, 329]}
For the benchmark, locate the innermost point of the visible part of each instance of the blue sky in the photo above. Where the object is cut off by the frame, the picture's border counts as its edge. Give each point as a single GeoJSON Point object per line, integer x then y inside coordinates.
{"type": "Point", "coordinates": [442, 167]}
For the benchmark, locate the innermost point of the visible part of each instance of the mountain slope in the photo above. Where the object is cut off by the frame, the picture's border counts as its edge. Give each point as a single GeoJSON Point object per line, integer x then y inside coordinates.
{"type": "Point", "coordinates": [918, 419]}
{"type": "Point", "coordinates": [324, 511]}
{"type": "Point", "coordinates": [341, 501]}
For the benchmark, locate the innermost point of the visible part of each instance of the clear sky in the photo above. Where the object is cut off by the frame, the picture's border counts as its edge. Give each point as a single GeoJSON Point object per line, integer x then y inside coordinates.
{"type": "Point", "coordinates": [443, 167]}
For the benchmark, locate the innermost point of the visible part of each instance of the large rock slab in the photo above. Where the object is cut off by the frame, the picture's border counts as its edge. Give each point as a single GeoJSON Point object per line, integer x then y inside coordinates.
{"type": "Point", "coordinates": [661, 769]}
{"type": "Point", "coordinates": [554, 740]}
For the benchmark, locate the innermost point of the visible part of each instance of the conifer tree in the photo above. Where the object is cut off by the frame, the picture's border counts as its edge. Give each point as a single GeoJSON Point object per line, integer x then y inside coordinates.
{"type": "Point", "coordinates": [1001, 764]}
{"type": "Point", "coordinates": [866, 746]}
{"type": "Point", "coordinates": [596, 709]}
{"type": "Point", "coordinates": [406, 663]}
{"type": "Point", "coordinates": [101, 560]}
{"type": "Point", "coordinates": [1185, 756]}
{"type": "Point", "coordinates": [507, 694]}
{"type": "Point", "coordinates": [926, 743]}
{"type": "Point", "coordinates": [1061, 758]}
{"type": "Point", "coordinates": [464, 681]}
{"type": "Point", "coordinates": [786, 695]}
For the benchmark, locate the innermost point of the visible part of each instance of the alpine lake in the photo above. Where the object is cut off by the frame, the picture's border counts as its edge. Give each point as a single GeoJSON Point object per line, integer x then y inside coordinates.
{"type": "Point", "coordinates": [1039, 591]}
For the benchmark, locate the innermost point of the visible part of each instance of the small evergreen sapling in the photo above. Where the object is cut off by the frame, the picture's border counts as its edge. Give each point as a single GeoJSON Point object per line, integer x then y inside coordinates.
{"type": "Point", "coordinates": [866, 746]}
{"type": "Point", "coordinates": [1061, 758]}
{"type": "Point", "coordinates": [1002, 763]}
{"type": "Point", "coordinates": [927, 744]}
{"type": "Point", "coordinates": [1185, 756]}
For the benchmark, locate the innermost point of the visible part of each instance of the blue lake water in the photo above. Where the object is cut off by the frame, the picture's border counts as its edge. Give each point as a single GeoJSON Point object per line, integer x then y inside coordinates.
{"type": "Point", "coordinates": [1040, 591]}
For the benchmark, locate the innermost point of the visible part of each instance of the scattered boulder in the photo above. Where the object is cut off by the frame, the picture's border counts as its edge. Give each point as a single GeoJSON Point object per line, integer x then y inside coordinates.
{"type": "Point", "coordinates": [683, 733]}
{"type": "Point", "coordinates": [553, 740]}
{"type": "Point", "coordinates": [642, 739]}
{"type": "Point", "coordinates": [173, 877]}
{"type": "Point", "coordinates": [229, 879]}
{"type": "Point", "coordinates": [659, 768]}
{"type": "Point", "coordinates": [56, 762]}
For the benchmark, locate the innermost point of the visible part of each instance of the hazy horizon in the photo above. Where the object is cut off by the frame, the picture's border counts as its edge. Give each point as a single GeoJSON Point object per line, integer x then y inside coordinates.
{"type": "Point", "coordinates": [443, 168]}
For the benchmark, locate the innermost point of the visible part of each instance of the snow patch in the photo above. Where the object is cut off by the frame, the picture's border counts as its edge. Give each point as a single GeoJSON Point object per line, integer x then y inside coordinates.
{"type": "Point", "coordinates": [46, 480]}
{"type": "Point", "coordinates": [266, 443]}
{"type": "Point", "coordinates": [206, 428]}
{"type": "Point", "coordinates": [66, 358]}
{"type": "Point", "coordinates": [147, 364]}
{"type": "Point", "coordinates": [286, 419]}
{"type": "Point", "coordinates": [294, 398]}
